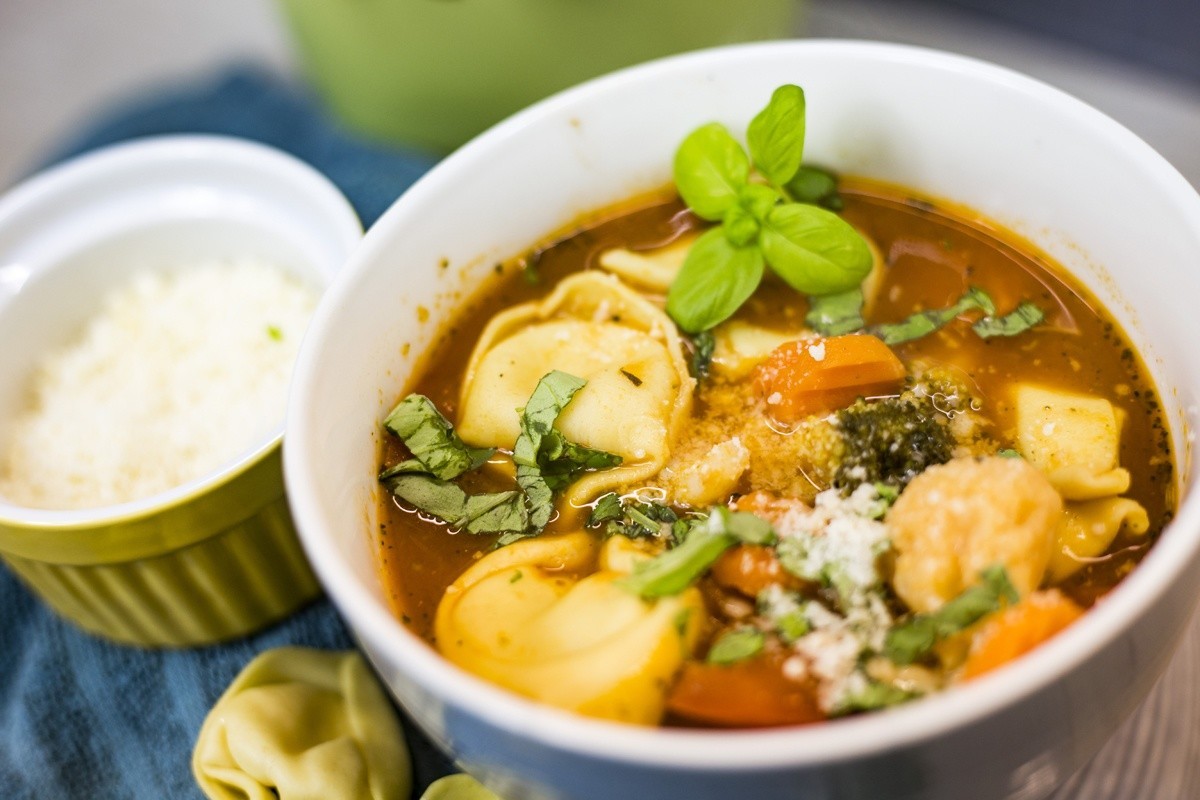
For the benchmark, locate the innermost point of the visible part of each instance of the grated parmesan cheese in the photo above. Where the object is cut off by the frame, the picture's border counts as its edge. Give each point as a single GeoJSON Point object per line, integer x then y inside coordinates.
{"type": "Point", "coordinates": [178, 374]}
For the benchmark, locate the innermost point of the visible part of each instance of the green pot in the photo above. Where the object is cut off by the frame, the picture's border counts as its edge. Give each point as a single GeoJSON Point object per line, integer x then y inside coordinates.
{"type": "Point", "coordinates": [433, 73]}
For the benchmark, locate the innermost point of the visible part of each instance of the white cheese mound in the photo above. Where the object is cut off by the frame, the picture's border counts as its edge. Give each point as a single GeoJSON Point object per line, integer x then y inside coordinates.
{"type": "Point", "coordinates": [179, 373]}
{"type": "Point", "coordinates": [839, 542]}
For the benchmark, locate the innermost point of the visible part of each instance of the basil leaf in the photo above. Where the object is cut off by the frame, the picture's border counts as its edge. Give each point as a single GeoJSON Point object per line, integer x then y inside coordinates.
{"type": "Point", "coordinates": [736, 645]}
{"type": "Point", "coordinates": [607, 507]}
{"type": "Point", "coordinates": [710, 168]}
{"type": "Point", "coordinates": [776, 135]}
{"type": "Point", "coordinates": [546, 461]}
{"type": "Point", "coordinates": [815, 251]}
{"type": "Point", "coordinates": [836, 314]}
{"type": "Point", "coordinates": [747, 527]}
{"type": "Point", "coordinates": [715, 279]}
{"type": "Point", "coordinates": [792, 626]}
{"type": "Point", "coordinates": [432, 440]}
{"type": "Point", "coordinates": [703, 347]}
{"type": "Point", "coordinates": [913, 640]}
{"type": "Point", "coordinates": [815, 187]}
{"type": "Point", "coordinates": [875, 696]}
{"type": "Point", "coordinates": [924, 323]}
{"type": "Point", "coordinates": [496, 512]}
{"type": "Point", "coordinates": [674, 570]}
{"type": "Point", "coordinates": [631, 518]}
{"type": "Point", "coordinates": [1021, 319]}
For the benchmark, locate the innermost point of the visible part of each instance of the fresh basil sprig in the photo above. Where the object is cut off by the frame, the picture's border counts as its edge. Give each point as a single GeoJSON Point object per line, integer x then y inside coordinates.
{"type": "Point", "coordinates": [814, 250]}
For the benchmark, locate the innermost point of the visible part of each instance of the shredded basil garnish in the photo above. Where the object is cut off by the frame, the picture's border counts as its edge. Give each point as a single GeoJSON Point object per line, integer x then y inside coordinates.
{"type": "Point", "coordinates": [432, 440]}
{"type": "Point", "coordinates": [736, 645]}
{"type": "Point", "coordinates": [836, 314]}
{"type": "Point", "coordinates": [493, 512]}
{"type": "Point", "coordinates": [913, 640]}
{"type": "Point", "coordinates": [924, 323]}
{"type": "Point", "coordinates": [546, 462]}
{"type": "Point", "coordinates": [1025, 316]}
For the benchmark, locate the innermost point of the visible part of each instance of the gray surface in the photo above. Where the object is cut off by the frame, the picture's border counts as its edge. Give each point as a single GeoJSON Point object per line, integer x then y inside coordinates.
{"type": "Point", "coordinates": [63, 60]}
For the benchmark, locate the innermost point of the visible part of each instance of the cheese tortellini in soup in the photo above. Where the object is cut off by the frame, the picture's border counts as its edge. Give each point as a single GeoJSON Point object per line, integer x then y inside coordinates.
{"type": "Point", "coordinates": [638, 389]}
{"type": "Point", "coordinates": [524, 617]}
{"type": "Point", "coordinates": [1075, 440]}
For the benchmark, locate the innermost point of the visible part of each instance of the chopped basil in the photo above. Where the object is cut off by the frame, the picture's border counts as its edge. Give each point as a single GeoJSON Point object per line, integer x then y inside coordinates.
{"type": "Point", "coordinates": [674, 570]}
{"type": "Point", "coordinates": [632, 518]}
{"type": "Point", "coordinates": [913, 640]}
{"type": "Point", "coordinates": [545, 460]}
{"type": "Point", "coordinates": [703, 346]}
{"type": "Point", "coordinates": [873, 697]}
{"type": "Point", "coordinates": [607, 507]}
{"type": "Point", "coordinates": [792, 625]}
{"type": "Point", "coordinates": [494, 512]}
{"type": "Point", "coordinates": [1008, 452]}
{"type": "Point", "coordinates": [432, 440]}
{"type": "Point", "coordinates": [924, 323]}
{"type": "Point", "coordinates": [747, 527]}
{"type": "Point", "coordinates": [736, 645]}
{"type": "Point", "coordinates": [1024, 317]}
{"type": "Point", "coordinates": [836, 314]}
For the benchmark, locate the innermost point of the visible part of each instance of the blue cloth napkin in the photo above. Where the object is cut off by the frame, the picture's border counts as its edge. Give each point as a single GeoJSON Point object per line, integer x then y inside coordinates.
{"type": "Point", "coordinates": [83, 718]}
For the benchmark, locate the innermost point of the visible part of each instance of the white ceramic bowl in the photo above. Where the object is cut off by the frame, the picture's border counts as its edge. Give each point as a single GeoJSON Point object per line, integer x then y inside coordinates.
{"type": "Point", "coordinates": [217, 556]}
{"type": "Point", "coordinates": [1067, 177]}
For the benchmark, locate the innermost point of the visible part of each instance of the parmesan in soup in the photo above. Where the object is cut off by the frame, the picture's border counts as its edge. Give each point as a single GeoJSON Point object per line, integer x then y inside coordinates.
{"type": "Point", "coordinates": [767, 451]}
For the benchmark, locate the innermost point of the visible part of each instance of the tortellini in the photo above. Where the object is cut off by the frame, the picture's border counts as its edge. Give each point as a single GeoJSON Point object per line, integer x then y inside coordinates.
{"type": "Point", "coordinates": [1088, 528]}
{"type": "Point", "coordinates": [522, 618]}
{"type": "Point", "coordinates": [1075, 440]}
{"type": "Point", "coordinates": [638, 391]}
{"type": "Point", "coordinates": [298, 724]}
{"type": "Point", "coordinates": [959, 518]}
{"type": "Point", "coordinates": [651, 269]}
{"type": "Point", "coordinates": [741, 346]}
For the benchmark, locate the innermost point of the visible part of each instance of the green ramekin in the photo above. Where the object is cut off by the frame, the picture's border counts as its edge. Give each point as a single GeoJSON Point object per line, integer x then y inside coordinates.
{"type": "Point", "coordinates": [217, 557]}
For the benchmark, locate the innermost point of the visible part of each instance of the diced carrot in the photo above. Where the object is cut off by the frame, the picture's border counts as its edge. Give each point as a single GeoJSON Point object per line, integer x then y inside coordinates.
{"type": "Point", "coordinates": [770, 507]}
{"type": "Point", "coordinates": [750, 568]}
{"type": "Point", "coordinates": [807, 377]}
{"type": "Point", "coordinates": [1018, 629]}
{"type": "Point", "coordinates": [753, 693]}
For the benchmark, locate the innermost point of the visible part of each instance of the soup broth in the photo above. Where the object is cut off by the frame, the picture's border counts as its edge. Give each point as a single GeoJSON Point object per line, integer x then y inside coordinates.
{"type": "Point", "coordinates": [764, 617]}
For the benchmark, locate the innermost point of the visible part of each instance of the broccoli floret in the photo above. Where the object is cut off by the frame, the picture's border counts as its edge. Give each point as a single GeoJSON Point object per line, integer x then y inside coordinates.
{"type": "Point", "coordinates": [891, 441]}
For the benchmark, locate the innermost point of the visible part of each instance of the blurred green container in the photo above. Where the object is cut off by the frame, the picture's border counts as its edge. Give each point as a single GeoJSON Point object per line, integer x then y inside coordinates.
{"type": "Point", "coordinates": [433, 73]}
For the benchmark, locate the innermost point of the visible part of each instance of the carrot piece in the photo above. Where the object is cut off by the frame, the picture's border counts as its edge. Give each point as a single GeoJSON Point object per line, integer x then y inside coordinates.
{"type": "Point", "coordinates": [750, 694]}
{"type": "Point", "coordinates": [750, 568]}
{"type": "Point", "coordinates": [1018, 629]}
{"type": "Point", "coordinates": [802, 378]}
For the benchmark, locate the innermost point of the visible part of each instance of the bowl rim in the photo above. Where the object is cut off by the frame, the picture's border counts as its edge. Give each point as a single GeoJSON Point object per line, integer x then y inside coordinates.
{"type": "Point", "coordinates": [103, 169]}
{"type": "Point", "coordinates": [829, 742]}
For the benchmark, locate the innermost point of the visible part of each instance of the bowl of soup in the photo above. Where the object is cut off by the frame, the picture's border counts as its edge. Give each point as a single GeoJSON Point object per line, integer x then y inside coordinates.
{"type": "Point", "coordinates": [807, 419]}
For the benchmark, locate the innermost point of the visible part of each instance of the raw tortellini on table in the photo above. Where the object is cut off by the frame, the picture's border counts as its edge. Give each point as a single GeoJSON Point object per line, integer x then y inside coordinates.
{"type": "Point", "coordinates": [301, 724]}
{"type": "Point", "coordinates": [523, 617]}
{"type": "Point", "coordinates": [638, 390]}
